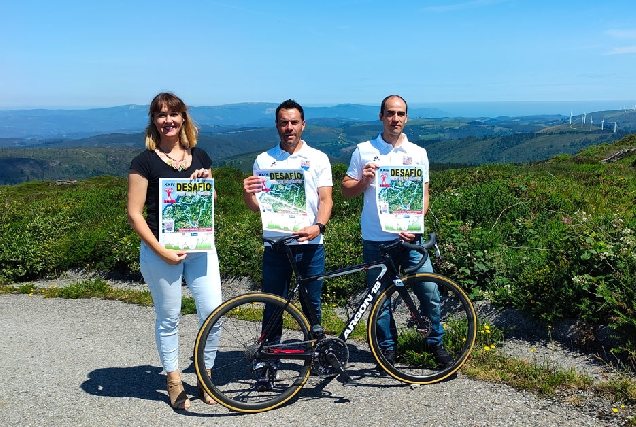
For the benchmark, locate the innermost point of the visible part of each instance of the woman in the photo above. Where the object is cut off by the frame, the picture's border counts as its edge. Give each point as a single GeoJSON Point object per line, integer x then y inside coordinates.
{"type": "Point", "coordinates": [171, 137]}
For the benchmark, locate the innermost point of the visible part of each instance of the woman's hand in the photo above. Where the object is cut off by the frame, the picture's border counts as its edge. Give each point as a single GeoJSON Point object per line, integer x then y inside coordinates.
{"type": "Point", "coordinates": [173, 257]}
{"type": "Point", "coordinates": [201, 173]}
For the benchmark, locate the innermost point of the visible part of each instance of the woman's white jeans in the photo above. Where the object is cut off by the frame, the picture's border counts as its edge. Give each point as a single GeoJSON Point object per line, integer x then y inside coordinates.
{"type": "Point", "coordinates": [201, 273]}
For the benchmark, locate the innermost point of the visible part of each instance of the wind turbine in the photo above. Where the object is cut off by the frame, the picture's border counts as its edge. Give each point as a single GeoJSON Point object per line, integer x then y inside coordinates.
{"type": "Point", "coordinates": [584, 116]}
{"type": "Point", "coordinates": [614, 127]}
{"type": "Point", "coordinates": [571, 115]}
{"type": "Point", "coordinates": [602, 123]}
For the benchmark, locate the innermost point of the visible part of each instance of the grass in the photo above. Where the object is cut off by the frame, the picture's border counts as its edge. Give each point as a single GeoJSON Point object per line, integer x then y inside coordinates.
{"type": "Point", "coordinates": [485, 362]}
{"type": "Point", "coordinates": [95, 288]}
{"type": "Point", "coordinates": [522, 374]}
{"type": "Point", "coordinates": [91, 288]}
{"type": "Point", "coordinates": [549, 381]}
{"type": "Point", "coordinates": [542, 377]}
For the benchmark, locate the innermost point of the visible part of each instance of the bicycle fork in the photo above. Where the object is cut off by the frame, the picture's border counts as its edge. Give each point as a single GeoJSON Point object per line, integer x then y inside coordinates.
{"type": "Point", "coordinates": [423, 323]}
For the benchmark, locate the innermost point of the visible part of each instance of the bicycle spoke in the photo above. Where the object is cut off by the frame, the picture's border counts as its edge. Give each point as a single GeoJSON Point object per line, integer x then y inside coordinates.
{"type": "Point", "coordinates": [237, 375]}
{"type": "Point", "coordinates": [416, 357]}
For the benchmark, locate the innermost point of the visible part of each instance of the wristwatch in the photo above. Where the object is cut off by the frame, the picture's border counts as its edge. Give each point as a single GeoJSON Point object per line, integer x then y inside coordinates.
{"type": "Point", "coordinates": [321, 227]}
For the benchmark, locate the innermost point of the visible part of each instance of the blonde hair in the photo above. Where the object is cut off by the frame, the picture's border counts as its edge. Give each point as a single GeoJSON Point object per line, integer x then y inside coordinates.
{"type": "Point", "coordinates": [189, 130]}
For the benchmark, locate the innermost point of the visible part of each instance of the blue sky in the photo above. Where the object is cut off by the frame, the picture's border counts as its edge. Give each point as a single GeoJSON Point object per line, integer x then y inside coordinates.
{"type": "Point", "coordinates": [68, 54]}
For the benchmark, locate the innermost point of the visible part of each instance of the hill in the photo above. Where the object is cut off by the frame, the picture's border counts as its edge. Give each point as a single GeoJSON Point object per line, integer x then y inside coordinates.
{"type": "Point", "coordinates": [31, 125]}
{"type": "Point", "coordinates": [449, 141]}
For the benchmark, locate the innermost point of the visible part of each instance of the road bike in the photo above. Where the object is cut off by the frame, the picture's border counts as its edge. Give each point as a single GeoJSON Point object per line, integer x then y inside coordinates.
{"type": "Point", "coordinates": [290, 345]}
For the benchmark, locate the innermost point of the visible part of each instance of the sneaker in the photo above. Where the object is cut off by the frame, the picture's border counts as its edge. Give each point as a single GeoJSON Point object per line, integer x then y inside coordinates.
{"type": "Point", "coordinates": [441, 356]}
{"type": "Point", "coordinates": [389, 355]}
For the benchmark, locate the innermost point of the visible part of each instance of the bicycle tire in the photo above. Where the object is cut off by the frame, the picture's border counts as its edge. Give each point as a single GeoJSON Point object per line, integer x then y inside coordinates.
{"type": "Point", "coordinates": [232, 382]}
{"type": "Point", "coordinates": [413, 362]}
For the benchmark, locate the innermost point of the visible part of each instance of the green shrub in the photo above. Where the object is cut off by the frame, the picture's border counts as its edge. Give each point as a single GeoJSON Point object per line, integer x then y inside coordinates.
{"type": "Point", "coordinates": [556, 239]}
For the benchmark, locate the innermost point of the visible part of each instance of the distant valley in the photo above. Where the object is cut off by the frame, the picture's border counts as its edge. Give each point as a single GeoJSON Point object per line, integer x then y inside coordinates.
{"type": "Point", "coordinates": [76, 144]}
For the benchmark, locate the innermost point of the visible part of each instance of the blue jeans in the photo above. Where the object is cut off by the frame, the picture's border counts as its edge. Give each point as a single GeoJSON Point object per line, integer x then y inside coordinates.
{"type": "Point", "coordinates": [426, 292]}
{"type": "Point", "coordinates": [277, 275]}
{"type": "Point", "coordinates": [201, 272]}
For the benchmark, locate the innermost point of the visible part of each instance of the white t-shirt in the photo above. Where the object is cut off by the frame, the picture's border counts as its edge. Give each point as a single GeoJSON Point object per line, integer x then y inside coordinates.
{"type": "Point", "coordinates": [317, 171]}
{"type": "Point", "coordinates": [381, 152]}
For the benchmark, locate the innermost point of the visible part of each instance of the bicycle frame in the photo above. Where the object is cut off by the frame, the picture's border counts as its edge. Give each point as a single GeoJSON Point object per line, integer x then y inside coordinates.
{"type": "Point", "coordinates": [269, 346]}
{"type": "Point", "coordinates": [386, 264]}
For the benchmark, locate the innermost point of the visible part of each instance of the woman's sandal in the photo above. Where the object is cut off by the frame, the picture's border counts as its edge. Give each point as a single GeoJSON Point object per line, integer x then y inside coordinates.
{"type": "Point", "coordinates": [178, 397]}
{"type": "Point", "coordinates": [203, 394]}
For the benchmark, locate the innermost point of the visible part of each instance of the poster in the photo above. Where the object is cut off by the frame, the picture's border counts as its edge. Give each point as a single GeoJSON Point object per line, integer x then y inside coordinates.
{"type": "Point", "coordinates": [400, 198]}
{"type": "Point", "coordinates": [282, 200]}
{"type": "Point", "coordinates": [186, 214]}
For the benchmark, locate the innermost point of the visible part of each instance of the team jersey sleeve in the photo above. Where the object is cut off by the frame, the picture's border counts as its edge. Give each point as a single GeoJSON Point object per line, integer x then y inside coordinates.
{"type": "Point", "coordinates": [355, 165]}
{"type": "Point", "coordinates": [324, 174]}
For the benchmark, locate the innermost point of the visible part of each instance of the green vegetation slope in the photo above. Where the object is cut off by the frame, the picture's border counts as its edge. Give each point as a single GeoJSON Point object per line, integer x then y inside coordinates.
{"type": "Point", "coordinates": [556, 238]}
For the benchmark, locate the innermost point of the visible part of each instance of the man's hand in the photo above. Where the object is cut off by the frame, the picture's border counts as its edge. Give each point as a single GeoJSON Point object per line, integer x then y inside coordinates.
{"type": "Point", "coordinates": [407, 237]}
{"type": "Point", "coordinates": [368, 172]}
{"type": "Point", "coordinates": [308, 233]}
{"type": "Point", "coordinates": [252, 184]}
{"type": "Point", "coordinates": [352, 187]}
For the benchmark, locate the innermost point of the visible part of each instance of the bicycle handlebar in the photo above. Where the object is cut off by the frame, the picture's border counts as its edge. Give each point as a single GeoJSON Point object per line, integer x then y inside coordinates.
{"type": "Point", "coordinates": [421, 248]}
{"type": "Point", "coordinates": [280, 241]}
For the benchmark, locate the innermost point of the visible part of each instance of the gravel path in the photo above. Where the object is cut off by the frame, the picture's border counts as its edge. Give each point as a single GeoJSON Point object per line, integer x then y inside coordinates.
{"type": "Point", "coordinates": [93, 362]}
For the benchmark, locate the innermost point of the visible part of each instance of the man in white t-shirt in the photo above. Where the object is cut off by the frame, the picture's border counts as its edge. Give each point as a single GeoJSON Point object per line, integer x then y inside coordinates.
{"type": "Point", "coordinates": [294, 153]}
{"type": "Point", "coordinates": [392, 148]}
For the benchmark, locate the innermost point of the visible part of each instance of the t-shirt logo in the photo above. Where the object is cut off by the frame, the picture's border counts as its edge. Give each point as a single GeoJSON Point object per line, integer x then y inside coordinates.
{"type": "Point", "coordinates": [406, 160]}
{"type": "Point", "coordinates": [305, 164]}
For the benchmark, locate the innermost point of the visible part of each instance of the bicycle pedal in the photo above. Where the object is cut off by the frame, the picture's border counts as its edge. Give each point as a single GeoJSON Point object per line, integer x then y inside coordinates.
{"type": "Point", "coordinates": [348, 381]}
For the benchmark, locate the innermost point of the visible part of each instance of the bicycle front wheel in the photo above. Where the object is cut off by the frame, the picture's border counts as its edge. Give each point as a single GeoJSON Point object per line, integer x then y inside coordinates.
{"type": "Point", "coordinates": [409, 352]}
{"type": "Point", "coordinates": [234, 378]}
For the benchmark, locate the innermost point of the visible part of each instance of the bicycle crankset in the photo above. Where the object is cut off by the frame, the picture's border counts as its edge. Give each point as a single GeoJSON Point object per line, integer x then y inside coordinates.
{"type": "Point", "coordinates": [324, 351]}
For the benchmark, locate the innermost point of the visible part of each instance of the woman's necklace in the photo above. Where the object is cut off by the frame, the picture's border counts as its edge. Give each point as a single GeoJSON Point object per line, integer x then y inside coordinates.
{"type": "Point", "coordinates": [172, 162]}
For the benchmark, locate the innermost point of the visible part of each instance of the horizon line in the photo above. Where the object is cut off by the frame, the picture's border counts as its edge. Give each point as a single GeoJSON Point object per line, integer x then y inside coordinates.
{"type": "Point", "coordinates": [631, 104]}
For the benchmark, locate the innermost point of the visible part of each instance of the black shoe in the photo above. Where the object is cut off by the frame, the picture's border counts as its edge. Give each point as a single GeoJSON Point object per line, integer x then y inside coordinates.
{"type": "Point", "coordinates": [441, 356]}
{"type": "Point", "coordinates": [389, 355]}
{"type": "Point", "coordinates": [267, 375]}
{"type": "Point", "coordinates": [264, 384]}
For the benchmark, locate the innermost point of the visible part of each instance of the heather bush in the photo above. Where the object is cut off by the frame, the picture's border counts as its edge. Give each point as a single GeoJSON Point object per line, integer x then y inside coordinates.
{"type": "Point", "coordinates": [557, 239]}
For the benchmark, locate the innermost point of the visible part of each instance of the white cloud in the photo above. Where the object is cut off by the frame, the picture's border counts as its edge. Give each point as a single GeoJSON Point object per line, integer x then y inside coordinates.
{"type": "Point", "coordinates": [622, 34]}
{"type": "Point", "coordinates": [622, 50]}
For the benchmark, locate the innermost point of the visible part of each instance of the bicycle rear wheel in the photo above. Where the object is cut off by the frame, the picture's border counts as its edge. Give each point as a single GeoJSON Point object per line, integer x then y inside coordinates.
{"type": "Point", "coordinates": [413, 360]}
{"type": "Point", "coordinates": [235, 374]}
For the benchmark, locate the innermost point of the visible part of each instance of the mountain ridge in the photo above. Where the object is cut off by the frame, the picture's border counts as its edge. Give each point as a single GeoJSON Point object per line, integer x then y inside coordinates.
{"type": "Point", "coordinates": [131, 118]}
{"type": "Point", "coordinates": [65, 152]}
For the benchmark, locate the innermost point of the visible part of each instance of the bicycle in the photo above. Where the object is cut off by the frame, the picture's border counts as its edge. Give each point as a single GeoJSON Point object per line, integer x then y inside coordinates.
{"type": "Point", "coordinates": [249, 349]}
